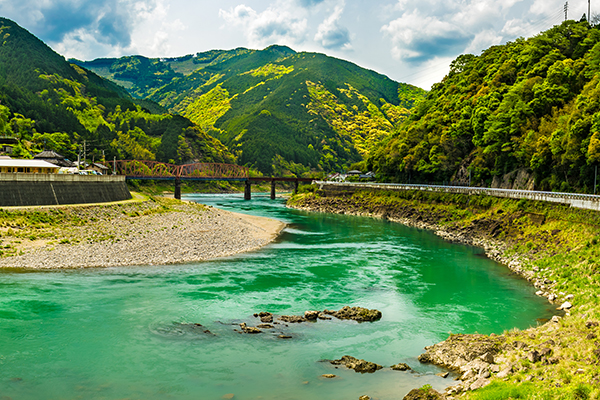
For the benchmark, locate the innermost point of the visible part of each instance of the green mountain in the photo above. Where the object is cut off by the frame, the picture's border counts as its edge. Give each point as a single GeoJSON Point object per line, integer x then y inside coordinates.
{"type": "Point", "coordinates": [46, 102]}
{"type": "Point", "coordinates": [531, 105]}
{"type": "Point", "coordinates": [277, 110]}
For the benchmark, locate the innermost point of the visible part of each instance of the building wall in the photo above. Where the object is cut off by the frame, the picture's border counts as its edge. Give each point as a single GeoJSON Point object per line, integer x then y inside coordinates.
{"type": "Point", "coordinates": [30, 170]}
{"type": "Point", "coordinates": [21, 189]}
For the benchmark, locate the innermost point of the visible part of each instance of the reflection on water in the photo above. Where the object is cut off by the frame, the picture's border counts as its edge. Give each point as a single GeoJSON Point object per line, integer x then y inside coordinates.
{"type": "Point", "coordinates": [130, 332]}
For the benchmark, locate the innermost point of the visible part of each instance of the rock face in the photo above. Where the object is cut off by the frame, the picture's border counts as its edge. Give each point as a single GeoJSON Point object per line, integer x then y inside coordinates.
{"type": "Point", "coordinates": [357, 365]}
{"type": "Point", "coordinates": [359, 314]}
{"type": "Point", "coordinates": [424, 394]}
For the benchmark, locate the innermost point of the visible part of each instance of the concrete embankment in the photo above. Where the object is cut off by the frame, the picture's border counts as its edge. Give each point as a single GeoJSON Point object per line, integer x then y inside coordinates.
{"type": "Point", "coordinates": [21, 190]}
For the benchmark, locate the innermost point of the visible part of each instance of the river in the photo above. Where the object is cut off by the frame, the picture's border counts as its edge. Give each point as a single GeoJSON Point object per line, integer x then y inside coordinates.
{"type": "Point", "coordinates": [120, 332]}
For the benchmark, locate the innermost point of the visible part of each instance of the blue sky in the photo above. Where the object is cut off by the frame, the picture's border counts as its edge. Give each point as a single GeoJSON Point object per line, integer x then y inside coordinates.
{"type": "Point", "coordinates": [410, 41]}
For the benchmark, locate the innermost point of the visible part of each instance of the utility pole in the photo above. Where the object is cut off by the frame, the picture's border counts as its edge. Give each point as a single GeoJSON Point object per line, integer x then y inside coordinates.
{"type": "Point", "coordinates": [84, 154]}
{"type": "Point", "coordinates": [589, 12]}
{"type": "Point", "coordinates": [566, 10]}
{"type": "Point", "coordinates": [595, 178]}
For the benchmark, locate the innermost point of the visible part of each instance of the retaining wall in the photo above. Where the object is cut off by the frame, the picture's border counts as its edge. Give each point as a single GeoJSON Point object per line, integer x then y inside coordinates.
{"type": "Point", "coordinates": [18, 189]}
{"type": "Point", "coordinates": [586, 201]}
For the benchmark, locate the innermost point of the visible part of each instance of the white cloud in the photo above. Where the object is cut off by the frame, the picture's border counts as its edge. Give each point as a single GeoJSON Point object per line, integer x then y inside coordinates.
{"type": "Point", "coordinates": [83, 29]}
{"type": "Point", "coordinates": [429, 28]}
{"type": "Point", "coordinates": [483, 40]}
{"type": "Point", "coordinates": [274, 25]}
{"type": "Point", "coordinates": [416, 37]}
{"type": "Point", "coordinates": [515, 28]}
{"type": "Point", "coordinates": [330, 34]}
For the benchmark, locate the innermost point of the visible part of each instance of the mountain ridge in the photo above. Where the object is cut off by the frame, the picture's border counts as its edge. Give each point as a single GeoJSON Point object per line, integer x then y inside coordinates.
{"type": "Point", "coordinates": [277, 109]}
{"type": "Point", "coordinates": [48, 103]}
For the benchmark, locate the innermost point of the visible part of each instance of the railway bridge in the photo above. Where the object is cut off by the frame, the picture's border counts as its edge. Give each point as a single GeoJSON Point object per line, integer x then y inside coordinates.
{"type": "Point", "coordinates": [141, 169]}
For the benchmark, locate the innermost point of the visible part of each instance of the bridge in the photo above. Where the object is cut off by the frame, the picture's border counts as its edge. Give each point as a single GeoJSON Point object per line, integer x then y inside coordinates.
{"type": "Point", "coordinates": [142, 169]}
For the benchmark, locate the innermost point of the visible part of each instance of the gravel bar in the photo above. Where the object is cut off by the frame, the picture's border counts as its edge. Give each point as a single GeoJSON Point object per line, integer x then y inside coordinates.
{"type": "Point", "coordinates": [144, 234]}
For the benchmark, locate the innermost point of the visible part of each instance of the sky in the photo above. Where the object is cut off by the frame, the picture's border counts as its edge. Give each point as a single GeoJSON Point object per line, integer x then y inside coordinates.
{"type": "Point", "coordinates": [412, 41]}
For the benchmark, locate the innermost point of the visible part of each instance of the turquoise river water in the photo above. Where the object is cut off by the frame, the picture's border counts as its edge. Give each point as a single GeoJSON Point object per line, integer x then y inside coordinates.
{"type": "Point", "coordinates": [118, 333]}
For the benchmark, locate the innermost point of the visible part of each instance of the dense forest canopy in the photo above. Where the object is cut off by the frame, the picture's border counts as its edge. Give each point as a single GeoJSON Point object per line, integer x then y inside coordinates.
{"type": "Point", "coordinates": [532, 104]}
{"type": "Point", "coordinates": [279, 111]}
{"type": "Point", "coordinates": [47, 103]}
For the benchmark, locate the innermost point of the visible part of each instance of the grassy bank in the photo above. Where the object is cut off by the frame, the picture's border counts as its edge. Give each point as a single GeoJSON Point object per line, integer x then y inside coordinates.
{"type": "Point", "coordinates": [554, 246]}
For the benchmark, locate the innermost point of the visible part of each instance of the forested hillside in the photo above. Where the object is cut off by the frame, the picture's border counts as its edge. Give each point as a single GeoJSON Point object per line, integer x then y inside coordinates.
{"type": "Point", "coordinates": [47, 103]}
{"type": "Point", "coordinates": [277, 110]}
{"type": "Point", "coordinates": [532, 104]}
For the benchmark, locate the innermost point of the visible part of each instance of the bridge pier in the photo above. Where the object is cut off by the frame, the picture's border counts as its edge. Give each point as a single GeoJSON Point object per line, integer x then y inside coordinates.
{"type": "Point", "coordinates": [247, 191]}
{"type": "Point", "coordinates": [178, 188]}
{"type": "Point", "coordinates": [296, 186]}
{"type": "Point", "coordinates": [273, 189]}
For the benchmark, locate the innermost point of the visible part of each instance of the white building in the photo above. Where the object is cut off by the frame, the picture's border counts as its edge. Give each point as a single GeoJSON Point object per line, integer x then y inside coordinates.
{"type": "Point", "coordinates": [12, 165]}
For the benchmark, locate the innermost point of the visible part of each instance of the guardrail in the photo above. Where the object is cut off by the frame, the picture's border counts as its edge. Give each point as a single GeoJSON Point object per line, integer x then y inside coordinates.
{"type": "Point", "coordinates": [577, 200]}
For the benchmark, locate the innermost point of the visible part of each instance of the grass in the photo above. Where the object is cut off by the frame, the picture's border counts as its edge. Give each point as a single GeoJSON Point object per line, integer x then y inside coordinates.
{"type": "Point", "coordinates": [557, 247]}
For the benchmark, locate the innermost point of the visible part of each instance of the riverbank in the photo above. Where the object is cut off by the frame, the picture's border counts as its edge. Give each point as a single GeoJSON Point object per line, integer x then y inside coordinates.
{"type": "Point", "coordinates": [552, 246]}
{"type": "Point", "coordinates": [157, 231]}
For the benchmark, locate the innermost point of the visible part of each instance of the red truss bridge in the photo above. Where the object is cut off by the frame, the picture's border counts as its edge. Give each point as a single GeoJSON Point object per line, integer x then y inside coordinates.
{"type": "Point", "coordinates": [136, 169]}
{"type": "Point", "coordinates": [140, 169]}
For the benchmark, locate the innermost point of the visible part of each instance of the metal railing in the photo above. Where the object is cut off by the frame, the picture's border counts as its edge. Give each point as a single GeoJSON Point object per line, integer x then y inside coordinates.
{"type": "Point", "coordinates": [579, 200]}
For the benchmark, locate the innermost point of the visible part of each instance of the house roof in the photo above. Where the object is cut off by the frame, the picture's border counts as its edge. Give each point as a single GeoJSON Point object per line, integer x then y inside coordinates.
{"type": "Point", "coordinates": [54, 158]}
{"type": "Point", "coordinates": [19, 163]}
{"type": "Point", "coordinates": [48, 154]}
{"type": "Point", "coordinates": [101, 166]}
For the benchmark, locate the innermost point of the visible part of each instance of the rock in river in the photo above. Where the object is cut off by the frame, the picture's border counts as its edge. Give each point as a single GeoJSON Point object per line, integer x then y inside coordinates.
{"type": "Point", "coordinates": [359, 314]}
{"type": "Point", "coordinates": [423, 394]}
{"type": "Point", "coordinates": [265, 317]}
{"type": "Point", "coordinates": [294, 319]}
{"type": "Point", "coordinates": [249, 329]}
{"type": "Point", "coordinates": [357, 365]}
{"type": "Point", "coordinates": [311, 315]}
{"type": "Point", "coordinates": [401, 367]}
